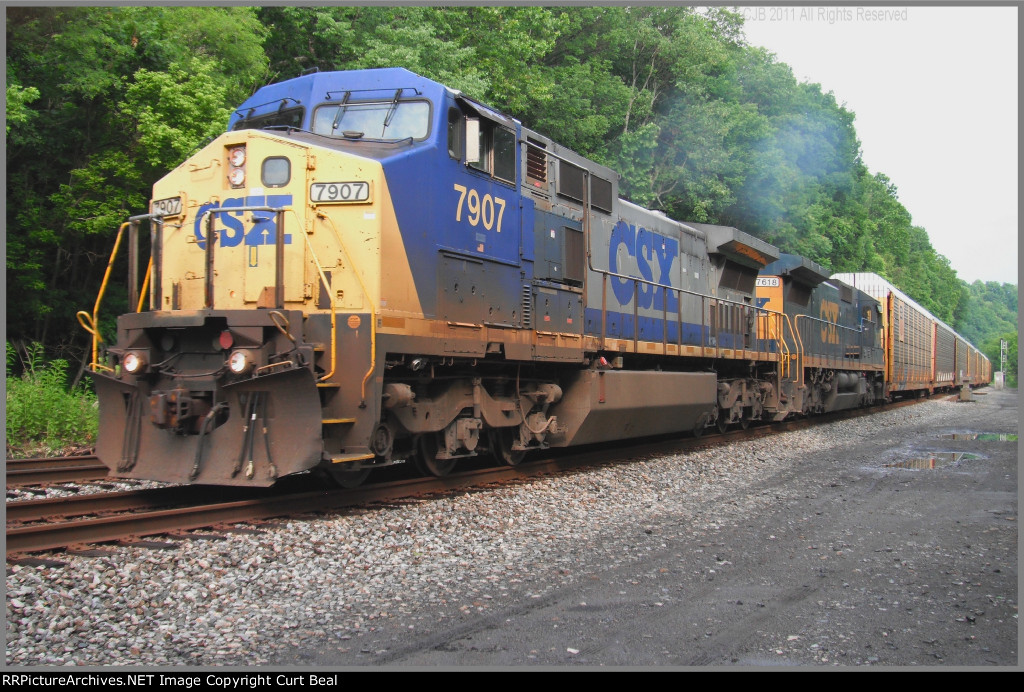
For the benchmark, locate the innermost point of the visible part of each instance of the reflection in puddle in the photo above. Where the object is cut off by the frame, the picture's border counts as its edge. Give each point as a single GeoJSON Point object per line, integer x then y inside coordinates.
{"type": "Point", "coordinates": [939, 460]}
{"type": "Point", "coordinates": [983, 437]}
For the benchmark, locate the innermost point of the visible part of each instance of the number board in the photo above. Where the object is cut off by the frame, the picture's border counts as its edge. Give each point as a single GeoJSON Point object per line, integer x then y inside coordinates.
{"type": "Point", "coordinates": [339, 193]}
{"type": "Point", "coordinates": [167, 207]}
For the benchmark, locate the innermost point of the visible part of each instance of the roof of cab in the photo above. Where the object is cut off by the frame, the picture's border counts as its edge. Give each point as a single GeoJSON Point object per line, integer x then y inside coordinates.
{"type": "Point", "coordinates": [318, 87]}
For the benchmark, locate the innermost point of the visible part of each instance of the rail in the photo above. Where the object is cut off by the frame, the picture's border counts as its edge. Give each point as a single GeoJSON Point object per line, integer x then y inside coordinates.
{"type": "Point", "coordinates": [706, 302]}
{"type": "Point", "coordinates": [833, 347]}
{"type": "Point", "coordinates": [369, 302]}
{"type": "Point", "coordinates": [152, 279]}
{"type": "Point", "coordinates": [93, 320]}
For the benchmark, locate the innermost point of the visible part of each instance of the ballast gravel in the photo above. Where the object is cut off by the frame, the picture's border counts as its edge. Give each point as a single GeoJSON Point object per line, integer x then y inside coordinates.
{"type": "Point", "coordinates": [324, 582]}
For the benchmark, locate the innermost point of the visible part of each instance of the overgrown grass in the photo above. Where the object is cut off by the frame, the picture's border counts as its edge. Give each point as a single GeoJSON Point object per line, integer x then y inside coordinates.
{"type": "Point", "coordinates": [44, 418]}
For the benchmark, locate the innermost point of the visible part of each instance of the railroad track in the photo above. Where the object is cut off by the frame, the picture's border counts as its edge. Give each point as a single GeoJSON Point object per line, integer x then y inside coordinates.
{"type": "Point", "coordinates": [38, 525]}
{"type": "Point", "coordinates": [43, 471]}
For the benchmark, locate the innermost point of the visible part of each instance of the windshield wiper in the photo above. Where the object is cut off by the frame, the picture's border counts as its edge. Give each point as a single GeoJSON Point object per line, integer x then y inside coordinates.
{"type": "Point", "coordinates": [341, 111]}
{"type": "Point", "coordinates": [392, 109]}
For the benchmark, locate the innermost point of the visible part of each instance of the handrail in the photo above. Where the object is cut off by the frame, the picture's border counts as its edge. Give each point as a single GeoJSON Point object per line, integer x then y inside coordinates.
{"type": "Point", "coordinates": [586, 206]}
{"type": "Point", "coordinates": [89, 322]}
{"type": "Point", "coordinates": [334, 317]}
{"type": "Point", "coordinates": [798, 344]}
{"type": "Point", "coordinates": [279, 269]}
{"type": "Point", "coordinates": [93, 327]}
{"type": "Point", "coordinates": [369, 301]}
{"type": "Point", "coordinates": [775, 328]}
{"type": "Point", "coordinates": [837, 345]}
{"type": "Point", "coordinates": [831, 324]}
{"type": "Point", "coordinates": [145, 285]}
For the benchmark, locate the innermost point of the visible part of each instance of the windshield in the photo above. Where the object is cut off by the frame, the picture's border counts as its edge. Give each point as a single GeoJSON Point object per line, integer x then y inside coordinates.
{"type": "Point", "coordinates": [291, 117]}
{"type": "Point", "coordinates": [382, 120]}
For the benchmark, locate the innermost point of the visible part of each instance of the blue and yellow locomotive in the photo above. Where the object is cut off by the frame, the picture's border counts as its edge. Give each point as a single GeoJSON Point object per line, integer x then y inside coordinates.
{"type": "Point", "coordinates": [370, 267]}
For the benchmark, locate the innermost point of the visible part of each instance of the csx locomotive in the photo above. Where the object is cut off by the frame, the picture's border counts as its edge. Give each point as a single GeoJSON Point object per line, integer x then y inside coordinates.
{"type": "Point", "coordinates": [370, 268]}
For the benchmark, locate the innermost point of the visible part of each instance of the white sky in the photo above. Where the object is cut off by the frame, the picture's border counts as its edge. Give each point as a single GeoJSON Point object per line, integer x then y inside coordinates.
{"type": "Point", "coordinates": [934, 90]}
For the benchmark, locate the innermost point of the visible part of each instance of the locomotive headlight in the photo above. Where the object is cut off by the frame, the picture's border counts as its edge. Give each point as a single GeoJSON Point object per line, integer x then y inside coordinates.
{"type": "Point", "coordinates": [240, 362]}
{"type": "Point", "coordinates": [236, 157]}
{"type": "Point", "coordinates": [236, 162]}
{"type": "Point", "coordinates": [133, 362]}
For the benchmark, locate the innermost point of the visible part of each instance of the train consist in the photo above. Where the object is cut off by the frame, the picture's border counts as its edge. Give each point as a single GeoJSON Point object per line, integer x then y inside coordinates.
{"type": "Point", "coordinates": [370, 268]}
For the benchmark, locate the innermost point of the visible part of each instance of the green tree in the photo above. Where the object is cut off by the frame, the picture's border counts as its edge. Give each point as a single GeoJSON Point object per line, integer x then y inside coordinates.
{"type": "Point", "coordinates": [105, 101]}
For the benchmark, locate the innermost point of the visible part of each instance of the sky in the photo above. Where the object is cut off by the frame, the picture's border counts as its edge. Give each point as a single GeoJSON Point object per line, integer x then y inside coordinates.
{"type": "Point", "coordinates": [935, 91]}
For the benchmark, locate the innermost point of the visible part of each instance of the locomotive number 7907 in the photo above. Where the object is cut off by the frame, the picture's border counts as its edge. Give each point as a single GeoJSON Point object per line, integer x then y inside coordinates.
{"type": "Point", "coordinates": [481, 209]}
{"type": "Point", "coordinates": [352, 191]}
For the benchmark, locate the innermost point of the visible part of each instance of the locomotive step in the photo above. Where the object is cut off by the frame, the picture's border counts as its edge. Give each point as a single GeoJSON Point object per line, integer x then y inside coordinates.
{"type": "Point", "coordinates": [342, 458]}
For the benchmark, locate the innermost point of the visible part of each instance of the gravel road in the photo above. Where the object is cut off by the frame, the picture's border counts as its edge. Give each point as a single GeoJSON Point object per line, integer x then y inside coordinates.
{"type": "Point", "coordinates": [811, 548]}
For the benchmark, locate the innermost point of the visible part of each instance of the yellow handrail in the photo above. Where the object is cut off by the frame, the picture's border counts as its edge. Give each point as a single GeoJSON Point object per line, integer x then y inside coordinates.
{"type": "Point", "coordinates": [145, 285]}
{"type": "Point", "coordinates": [798, 343]}
{"type": "Point", "coordinates": [93, 327]}
{"type": "Point", "coordinates": [334, 319]}
{"type": "Point", "coordinates": [777, 332]}
{"type": "Point", "coordinates": [369, 301]}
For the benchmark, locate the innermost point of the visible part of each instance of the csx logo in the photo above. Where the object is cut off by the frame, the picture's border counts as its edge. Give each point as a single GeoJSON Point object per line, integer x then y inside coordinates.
{"type": "Point", "coordinates": [654, 254]}
{"type": "Point", "coordinates": [829, 313]}
{"type": "Point", "coordinates": [230, 226]}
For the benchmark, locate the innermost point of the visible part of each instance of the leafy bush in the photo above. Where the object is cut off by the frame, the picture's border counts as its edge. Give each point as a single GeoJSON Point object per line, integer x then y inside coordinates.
{"type": "Point", "coordinates": [44, 418]}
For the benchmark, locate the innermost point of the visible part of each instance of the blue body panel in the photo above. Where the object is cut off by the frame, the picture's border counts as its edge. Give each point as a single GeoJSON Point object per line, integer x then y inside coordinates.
{"type": "Point", "coordinates": [431, 220]}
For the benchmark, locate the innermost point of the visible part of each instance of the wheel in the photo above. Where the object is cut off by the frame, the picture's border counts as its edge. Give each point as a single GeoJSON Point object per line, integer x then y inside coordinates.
{"type": "Point", "coordinates": [723, 421]}
{"type": "Point", "coordinates": [346, 477]}
{"type": "Point", "coordinates": [427, 461]}
{"type": "Point", "coordinates": [698, 429]}
{"type": "Point", "coordinates": [501, 446]}
{"type": "Point", "coordinates": [744, 422]}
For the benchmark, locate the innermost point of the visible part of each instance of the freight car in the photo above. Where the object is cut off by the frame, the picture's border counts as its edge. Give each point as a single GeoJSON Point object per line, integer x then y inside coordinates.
{"type": "Point", "coordinates": [922, 354]}
{"type": "Point", "coordinates": [370, 268]}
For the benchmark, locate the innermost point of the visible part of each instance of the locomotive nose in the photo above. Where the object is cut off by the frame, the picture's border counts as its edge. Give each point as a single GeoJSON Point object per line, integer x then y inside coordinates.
{"type": "Point", "coordinates": [232, 432]}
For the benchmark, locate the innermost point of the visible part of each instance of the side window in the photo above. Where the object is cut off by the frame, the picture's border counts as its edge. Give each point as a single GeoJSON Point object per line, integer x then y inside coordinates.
{"type": "Point", "coordinates": [497, 151]}
{"type": "Point", "coordinates": [455, 133]}
{"type": "Point", "coordinates": [504, 154]}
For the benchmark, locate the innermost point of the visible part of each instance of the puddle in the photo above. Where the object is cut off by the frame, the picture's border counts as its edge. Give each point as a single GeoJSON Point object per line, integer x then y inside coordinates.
{"type": "Point", "coordinates": [933, 461]}
{"type": "Point", "coordinates": [982, 437]}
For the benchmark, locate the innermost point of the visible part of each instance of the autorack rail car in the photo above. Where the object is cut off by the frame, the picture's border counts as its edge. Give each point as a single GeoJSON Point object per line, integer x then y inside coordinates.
{"type": "Point", "coordinates": [370, 268]}
{"type": "Point", "coordinates": [923, 354]}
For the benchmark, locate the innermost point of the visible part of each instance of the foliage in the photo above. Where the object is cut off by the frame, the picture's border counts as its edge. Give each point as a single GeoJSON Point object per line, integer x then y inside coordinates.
{"type": "Point", "coordinates": [18, 98]}
{"type": "Point", "coordinates": [991, 348]}
{"type": "Point", "coordinates": [992, 310]}
{"type": "Point", "coordinates": [991, 315]}
{"type": "Point", "coordinates": [43, 416]}
{"type": "Point", "coordinates": [105, 101]}
{"type": "Point", "coordinates": [697, 122]}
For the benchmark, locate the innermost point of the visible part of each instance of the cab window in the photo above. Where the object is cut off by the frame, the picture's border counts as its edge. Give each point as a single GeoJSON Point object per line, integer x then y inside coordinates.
{"type": "Point", "coordinates": [289, 117]}
{"type": "Point", "coordinates": [455, 133]}
{"type": "Point", "coordinates": [382, 120]}
{"type": "Point", "coordinates": [497, 151]}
